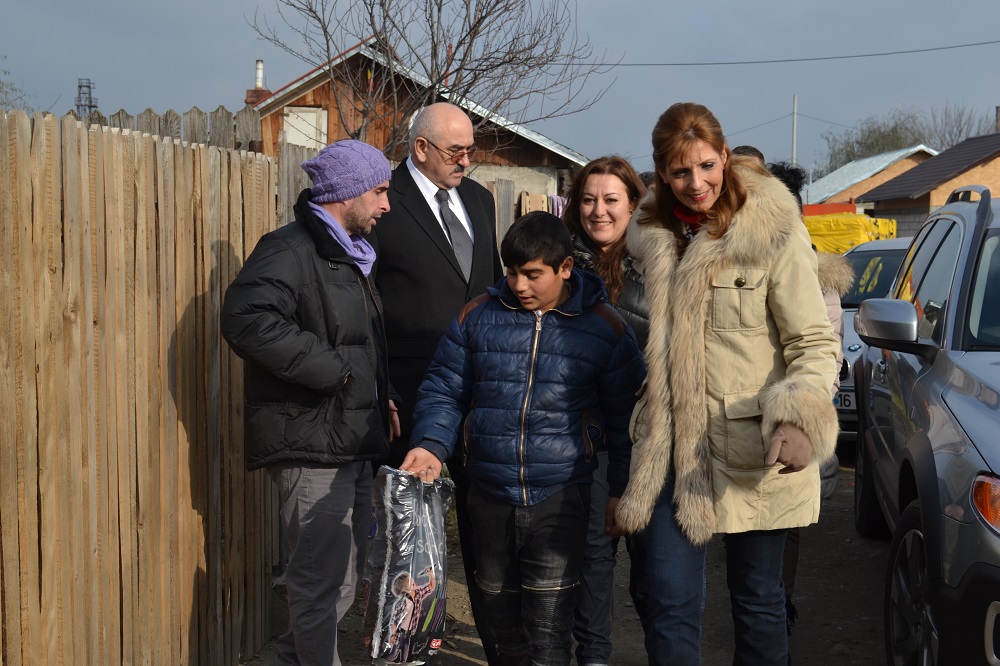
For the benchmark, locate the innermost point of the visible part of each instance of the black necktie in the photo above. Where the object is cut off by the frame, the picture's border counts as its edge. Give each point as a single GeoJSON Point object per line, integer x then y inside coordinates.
{"type": "Point", "coordinates": [461, 243]}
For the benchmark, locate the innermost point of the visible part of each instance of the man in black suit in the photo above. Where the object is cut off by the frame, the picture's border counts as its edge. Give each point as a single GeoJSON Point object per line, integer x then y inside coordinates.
{"type": "Point", "coordinates": [436, 251]}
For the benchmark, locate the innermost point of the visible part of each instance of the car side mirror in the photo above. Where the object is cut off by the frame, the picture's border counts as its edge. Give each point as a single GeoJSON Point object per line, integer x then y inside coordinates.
{"type": "Point", "coordinates": [891, 323]}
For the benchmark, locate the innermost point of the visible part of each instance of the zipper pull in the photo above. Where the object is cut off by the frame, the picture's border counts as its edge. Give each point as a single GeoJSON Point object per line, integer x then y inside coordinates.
{"type": "Point", "coordinates": [538, 320]}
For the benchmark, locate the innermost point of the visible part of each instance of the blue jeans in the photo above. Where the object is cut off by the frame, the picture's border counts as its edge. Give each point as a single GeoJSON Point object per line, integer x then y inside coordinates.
{"type": "Point", "coordinates": [594, 602]}
{"type": "Point", "coordinates": [528, 566]}
{"type": "Point", "coordinates": [676, 571]}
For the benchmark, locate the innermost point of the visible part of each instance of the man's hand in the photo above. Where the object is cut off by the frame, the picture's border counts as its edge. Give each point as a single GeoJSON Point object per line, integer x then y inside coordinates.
{"type": "Point", "coordinates": [610, 523]}
{"type": "Point", "coordinates": [791, 447]}
{"type": "Point", "coordinates": [394, 429]}
{"type": "Point", "coordinates": [421, 462]}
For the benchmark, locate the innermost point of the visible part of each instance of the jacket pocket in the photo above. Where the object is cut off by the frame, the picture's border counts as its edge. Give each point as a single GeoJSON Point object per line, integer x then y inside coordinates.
{"type": "Point", "coordinates": [637, 423]}
{"type": "Point", "coordinates": [743, 439]}
{"type": "Point", "coordinates": [739, 299]}
{"type": "Point", "coordinates": [593, 436]}
{"type": "Point", "coordinates": [467, 435]}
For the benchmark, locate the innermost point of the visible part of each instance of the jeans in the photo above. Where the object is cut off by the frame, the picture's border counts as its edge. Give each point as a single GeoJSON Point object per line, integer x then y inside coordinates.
{"type": "Point", "coordinates": [326, 512]}
{"type": "Point", "coordinates": [528, 560]}
{"type": "Point", "coordinates": [677, 570]}
{"type": "Point", "coordinates": [594, 602]}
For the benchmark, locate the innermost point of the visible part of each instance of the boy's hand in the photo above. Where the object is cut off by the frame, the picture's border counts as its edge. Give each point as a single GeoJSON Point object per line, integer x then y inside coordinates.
{"type": "Point", "coordinates": [421, 462]}
{"type": "Point", "coordinates": [610, 523]}
{"type": "Point", "coordinates": [791, 447]}
{"type": "Point", "coordinates": [394, 429]}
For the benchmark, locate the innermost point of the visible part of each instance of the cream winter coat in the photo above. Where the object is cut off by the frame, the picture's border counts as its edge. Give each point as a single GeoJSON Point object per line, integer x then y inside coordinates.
{"type": "Point", "coordinates": [739, 343]}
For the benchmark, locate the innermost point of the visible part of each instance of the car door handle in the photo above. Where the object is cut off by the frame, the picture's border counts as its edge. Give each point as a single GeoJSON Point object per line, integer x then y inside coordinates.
{"type": "Point", "coordinates": [880, 370]}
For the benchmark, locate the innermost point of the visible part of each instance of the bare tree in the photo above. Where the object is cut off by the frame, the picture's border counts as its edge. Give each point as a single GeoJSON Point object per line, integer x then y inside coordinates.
{"type": "Point", "coordinates": [940, 128]}
{"type": "Point", "coordinates": [901, 128]}
{"type": "Point", "coordinates": [520, 59]}
{"type": "Point", "coordinates": [954, 123]}
{"type": "Point", "coordinates": [12, 96]}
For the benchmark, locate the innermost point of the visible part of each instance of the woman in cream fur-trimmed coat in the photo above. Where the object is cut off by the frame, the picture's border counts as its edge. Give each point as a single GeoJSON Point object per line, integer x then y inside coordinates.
{"type": "Point", "coordinates": [739, 345]}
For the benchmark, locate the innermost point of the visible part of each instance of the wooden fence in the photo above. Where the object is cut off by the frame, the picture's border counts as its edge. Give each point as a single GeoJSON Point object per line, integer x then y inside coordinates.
{"type": "Point", "coordinates": [130, 531]}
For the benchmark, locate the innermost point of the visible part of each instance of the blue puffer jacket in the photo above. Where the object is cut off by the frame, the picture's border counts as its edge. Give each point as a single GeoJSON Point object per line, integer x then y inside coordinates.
{"type": "Point", "coordinates": [537, 392]}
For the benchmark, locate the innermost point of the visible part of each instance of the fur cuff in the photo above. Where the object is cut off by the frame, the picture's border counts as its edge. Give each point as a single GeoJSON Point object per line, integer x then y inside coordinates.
{"type": "Point", "coordinates": [806, 407]}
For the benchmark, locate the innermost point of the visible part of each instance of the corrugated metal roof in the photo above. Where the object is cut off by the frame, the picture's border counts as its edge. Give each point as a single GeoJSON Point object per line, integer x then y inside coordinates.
{"type": "Point", "coordinates": [855, 172]}
{"type": "Point", "coordinates": [939, 169]}
{"type": "Point", "coordinates": [317, 77]}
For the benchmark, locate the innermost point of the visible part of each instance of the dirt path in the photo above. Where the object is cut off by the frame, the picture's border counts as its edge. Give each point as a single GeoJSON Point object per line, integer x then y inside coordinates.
{"type": "Point", "coordinates": [838, 596]}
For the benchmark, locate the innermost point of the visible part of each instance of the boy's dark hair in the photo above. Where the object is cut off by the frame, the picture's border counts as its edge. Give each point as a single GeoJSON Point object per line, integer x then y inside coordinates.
{"type": "Point", "coordinates": [536, 235]}
{"type": "Point", "coordinates": [749, 151]}
{"type": "Point", "coordinates": [792, 176]}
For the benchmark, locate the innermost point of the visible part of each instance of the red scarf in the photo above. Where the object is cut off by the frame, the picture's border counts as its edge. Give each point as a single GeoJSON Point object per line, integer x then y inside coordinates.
{"type": "Point", "coordinates": [692, 219]}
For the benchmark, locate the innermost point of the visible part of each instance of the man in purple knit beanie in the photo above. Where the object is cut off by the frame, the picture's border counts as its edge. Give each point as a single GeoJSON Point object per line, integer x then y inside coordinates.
{"type": "Point", "coordinates": [306, 319]}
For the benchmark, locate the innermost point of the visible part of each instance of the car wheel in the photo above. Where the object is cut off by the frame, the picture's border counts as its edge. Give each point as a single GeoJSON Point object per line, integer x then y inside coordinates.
{"type": "Point", "coordinates": [910, 635]}
{"type": "Point", "coordinates": [868, 519]}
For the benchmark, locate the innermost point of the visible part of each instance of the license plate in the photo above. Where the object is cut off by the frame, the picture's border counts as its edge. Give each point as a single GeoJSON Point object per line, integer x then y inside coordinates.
{"type": "Point", "coordinates": [844, 400]}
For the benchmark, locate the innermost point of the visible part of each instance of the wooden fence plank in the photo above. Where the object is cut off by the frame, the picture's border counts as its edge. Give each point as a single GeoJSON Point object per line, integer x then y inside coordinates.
{"type": "Point", "coordinates": [169, 513]}
{"type": "Point", "coordinates": [248, 129]}
{"type": "Point", "coordinates": [48, 279]}
{"type": "Point", "coordinates": [107, 553]}
{"type": "Point", "coordinates": [119, 268]}
{"type": "Point", "coordinates": [233, 374]}
{"type": "Point", "coordinates": [75, 357]}
{"type": "Point", "coordinates": [148, 122]}
{"type": "Point", "coordinates": [10, 613]}
{"type": "Point", "coordinates": [26, 395]}
{"type": "Point", "coordinates": [222, 133]}
{"type": "Point", "coordinates": [196, 126]}
{"type": "Point", "coordinates": [170, 125]}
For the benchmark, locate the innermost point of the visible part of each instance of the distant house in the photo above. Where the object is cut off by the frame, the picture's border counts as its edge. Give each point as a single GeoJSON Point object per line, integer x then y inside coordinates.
{"type": "Point", "coordinates": [913, 195]}
{"type": "Point", "coordinates": [855, 178]}
{"type": "Point", "coordinates": [306, 109]}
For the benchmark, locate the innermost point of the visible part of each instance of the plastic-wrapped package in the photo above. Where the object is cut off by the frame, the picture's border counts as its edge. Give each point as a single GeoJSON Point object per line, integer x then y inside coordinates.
{"type": "Point", "coordinates": [406, 573]}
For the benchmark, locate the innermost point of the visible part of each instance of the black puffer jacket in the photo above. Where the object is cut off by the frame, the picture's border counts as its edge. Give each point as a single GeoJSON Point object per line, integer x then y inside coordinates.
{"type": "Point", "coordinates": [632, 299]}
{"type": "Point", "coordinates": [309, 325]}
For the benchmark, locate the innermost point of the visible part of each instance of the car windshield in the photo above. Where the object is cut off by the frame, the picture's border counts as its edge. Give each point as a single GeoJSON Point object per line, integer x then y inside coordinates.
{"type": "Point", "coordinates": [873, 274]}
{"type": "Point", "coordinates": [984, 301]}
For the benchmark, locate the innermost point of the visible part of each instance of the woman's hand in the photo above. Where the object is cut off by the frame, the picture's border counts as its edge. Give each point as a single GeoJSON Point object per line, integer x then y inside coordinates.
{"type": "Point", "coordinates": [422, 463]}
{"type": "Point", "coordinates": [611, 526]}
{"type": "Point", "coordinates": [791, 447]}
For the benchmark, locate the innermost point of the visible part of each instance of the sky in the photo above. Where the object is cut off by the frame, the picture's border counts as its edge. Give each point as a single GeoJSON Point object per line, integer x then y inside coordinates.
{"type": "Point", "coordinates": [176, 55]}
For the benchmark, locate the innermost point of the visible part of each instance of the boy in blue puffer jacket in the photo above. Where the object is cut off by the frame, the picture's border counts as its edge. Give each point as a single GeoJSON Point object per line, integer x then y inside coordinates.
{"type": "Point", "coordinates": [532, 377]}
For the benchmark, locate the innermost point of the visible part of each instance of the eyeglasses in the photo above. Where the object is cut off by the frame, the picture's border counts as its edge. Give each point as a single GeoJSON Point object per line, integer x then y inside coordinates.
{"type": "Point", "coordinates": [454, 158]}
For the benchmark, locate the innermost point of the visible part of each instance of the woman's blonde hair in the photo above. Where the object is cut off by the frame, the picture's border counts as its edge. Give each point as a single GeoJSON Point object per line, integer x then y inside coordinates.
{"type": "Point", "coordinates": [676, 131]}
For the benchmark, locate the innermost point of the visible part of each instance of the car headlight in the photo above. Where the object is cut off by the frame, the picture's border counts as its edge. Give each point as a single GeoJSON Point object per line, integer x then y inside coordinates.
{"type": "Point", "coordinates": [986, 499]}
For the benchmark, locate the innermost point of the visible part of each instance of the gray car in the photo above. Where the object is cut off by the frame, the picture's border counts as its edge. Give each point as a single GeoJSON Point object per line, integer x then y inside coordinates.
{"type": "Point", "coordinates": [874, 264]}
{"type": "Point", "coordinates": [928, 456]}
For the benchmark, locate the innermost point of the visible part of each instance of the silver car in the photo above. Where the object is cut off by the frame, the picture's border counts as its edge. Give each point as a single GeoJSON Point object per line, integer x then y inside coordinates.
{"type": "Point", "coordinates": [928, 453]}
{"type": "Point", "coordinates": [874, 264]}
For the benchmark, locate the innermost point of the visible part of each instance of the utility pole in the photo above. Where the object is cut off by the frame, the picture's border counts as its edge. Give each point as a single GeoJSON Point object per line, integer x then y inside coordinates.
{"type": "Point", "coordinates": [795, 125]}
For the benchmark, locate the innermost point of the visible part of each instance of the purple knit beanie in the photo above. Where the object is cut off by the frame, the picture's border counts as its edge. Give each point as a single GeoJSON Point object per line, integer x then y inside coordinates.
{"type": "Point", "coordinates": [344, 170]}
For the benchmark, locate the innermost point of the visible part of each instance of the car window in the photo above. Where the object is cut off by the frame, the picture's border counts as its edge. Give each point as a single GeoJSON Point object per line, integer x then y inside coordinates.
{"type": "Point", "coordinates": [873, 273]}
{"type": "Point", "coordinates": [910, 277]}
{"type": "Point", "coordinates": [984, 301]}
{"type": "Point", "coordinates": [937, 262]}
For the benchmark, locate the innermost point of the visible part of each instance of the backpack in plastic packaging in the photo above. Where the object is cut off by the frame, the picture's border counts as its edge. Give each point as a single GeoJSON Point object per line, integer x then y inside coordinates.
{"type": "Point", "coordinates": [406, 573]}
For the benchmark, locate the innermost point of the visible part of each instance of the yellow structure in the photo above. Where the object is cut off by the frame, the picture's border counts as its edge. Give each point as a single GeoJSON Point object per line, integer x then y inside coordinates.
{"type": "Point", "coordinates": [838, 232]}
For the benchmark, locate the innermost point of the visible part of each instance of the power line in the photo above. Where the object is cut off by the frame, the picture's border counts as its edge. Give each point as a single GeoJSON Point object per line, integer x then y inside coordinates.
{"type": "Point", "coordinates": [783, 60]}
{"type": "Point", "coordinates": [787, 115]}
{"type": "Point", "coordinates": [828, 122]}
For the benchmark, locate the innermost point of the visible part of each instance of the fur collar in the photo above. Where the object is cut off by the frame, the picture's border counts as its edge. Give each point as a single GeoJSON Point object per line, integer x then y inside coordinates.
{"type": "Point", "coordinates": [835, 273]}
{"type": "Point", "coordinates": [756, 234]}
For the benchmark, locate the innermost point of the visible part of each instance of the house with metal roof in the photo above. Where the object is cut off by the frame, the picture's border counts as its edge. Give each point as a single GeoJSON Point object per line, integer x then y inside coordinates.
{"type": "Point", "coordinates": [913, 195]}
{"type": "Point", "coordinates": [855, 178]}
{"type": "Point", "coordinates": [306, 109]}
